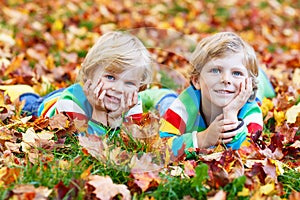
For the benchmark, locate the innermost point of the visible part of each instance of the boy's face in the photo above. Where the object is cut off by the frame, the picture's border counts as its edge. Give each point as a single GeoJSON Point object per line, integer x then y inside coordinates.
{"type": "Point", "coordinates": [118, 84]}
{"type": "Point", "coordinates": [220, 79]}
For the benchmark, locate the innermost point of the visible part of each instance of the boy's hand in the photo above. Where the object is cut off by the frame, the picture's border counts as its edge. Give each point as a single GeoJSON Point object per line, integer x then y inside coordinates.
{"type": "Point", "coordinates": [227, 135]}
{"type": "Point", "coordinates": [95, 94]}
{"type": "Point", "coordinates": [217, 132]}
{"type": "Point", "coordinates": [231, 110]}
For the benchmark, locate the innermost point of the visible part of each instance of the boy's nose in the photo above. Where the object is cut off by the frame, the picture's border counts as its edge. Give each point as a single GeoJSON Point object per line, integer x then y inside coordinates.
{"type": "Point", "coordinates": [225, 79]}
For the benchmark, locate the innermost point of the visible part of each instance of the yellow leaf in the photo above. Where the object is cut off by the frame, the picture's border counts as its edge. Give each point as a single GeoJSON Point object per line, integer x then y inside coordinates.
{"type": "Point", "coordinates": [267, 105]}
{"type": "Point", "coordinates": [279, 117]}
{"type": "Point", "coordinates": [57, 25]}
{"type": "Point", "coordinates": [50, 62]}
{"type": "Point", "coordinates": [179, 22]}
{"type": "Point", "coordinates": [14, 91]}
{"type": "Point", "coordinates": [292, 113]}
{"type": "Point", "coordinates": [63, 164]}
{"type": "Point", "coordinates": [267, 189]}
{"type": "Point", "coordinates": [164, 25]}
{"type": "Point", "coordinates": [244, 192]}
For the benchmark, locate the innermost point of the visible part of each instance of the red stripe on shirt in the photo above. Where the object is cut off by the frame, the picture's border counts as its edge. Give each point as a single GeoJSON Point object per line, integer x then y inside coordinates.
{"type": "Point", "coordinates": [175, 120]}
{"type": "Point", "coordinates": [254, 127]}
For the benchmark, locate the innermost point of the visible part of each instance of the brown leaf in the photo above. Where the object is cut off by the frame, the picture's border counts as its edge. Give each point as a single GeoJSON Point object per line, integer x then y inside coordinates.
{"type": "Point", "coordinates": [105, 189]}
{"type": "Point", "coordinates": [270, 169]}
{"type": "Point", "coordinates": [221, 195]}
{"type": "Point", "coordinates": [63, 190]}
{"type": "Point", "coordinates": [94, 146]}
{"type": "Point", "coordinates": [294, 195]}
{"type": "Point", "coordinates": [59, 121]}
{"type": "Point", "coordinates": [143, 164]}
{"type": "Point", "coordinates": [146, 180]}
{"type": "Point", "coordinates": [8, 175]}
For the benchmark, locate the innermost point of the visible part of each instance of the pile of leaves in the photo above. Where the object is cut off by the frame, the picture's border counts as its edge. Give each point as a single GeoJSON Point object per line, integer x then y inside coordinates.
{"type": "Point", "coordinates": [42, 45]}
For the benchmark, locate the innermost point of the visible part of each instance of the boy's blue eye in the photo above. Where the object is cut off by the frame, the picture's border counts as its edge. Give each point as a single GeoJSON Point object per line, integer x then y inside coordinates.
{"type": "Point", "coordinates": [237, 73]}
{"type": "Point", "coordinates": [110, 77]}
{"type": "Point", "coordinates": [215, 70]}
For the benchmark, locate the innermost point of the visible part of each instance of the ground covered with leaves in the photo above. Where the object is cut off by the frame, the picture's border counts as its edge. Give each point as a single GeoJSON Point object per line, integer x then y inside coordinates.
{"type": "Point", "coordinates": [42, 44]}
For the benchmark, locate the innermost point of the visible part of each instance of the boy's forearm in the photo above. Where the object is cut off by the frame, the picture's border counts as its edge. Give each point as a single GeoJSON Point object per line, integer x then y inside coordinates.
{"type": "Point", "coordinates": [204, 140]}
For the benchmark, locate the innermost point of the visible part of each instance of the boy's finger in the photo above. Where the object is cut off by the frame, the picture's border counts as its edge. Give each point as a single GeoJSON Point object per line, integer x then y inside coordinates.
{"type": "Point", "coordinates": [98, 89]}
{"type": "Point", "coordinates": [135, 97]}
{"type": "Point", "coordinates": [87, 85]}
{"type": "Point", "coordinates": [228, 135]}
{"type": "Point", "coordinates": [225, 141]}
{"type": "Point", "coordinates": [129, 99]}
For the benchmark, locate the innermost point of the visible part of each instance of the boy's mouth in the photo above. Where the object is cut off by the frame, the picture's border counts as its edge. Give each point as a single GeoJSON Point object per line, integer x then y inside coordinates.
{"type": "Point", "coordinates": [113, 99]}
{"type": "Point", "coordinates": [224, 91]}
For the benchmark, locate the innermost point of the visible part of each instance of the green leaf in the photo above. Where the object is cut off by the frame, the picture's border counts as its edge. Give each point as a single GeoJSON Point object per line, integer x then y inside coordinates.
{"type": "Point", "coordinates": [235, 187]}
{"type": "Point", "coordinates": [201, 176]}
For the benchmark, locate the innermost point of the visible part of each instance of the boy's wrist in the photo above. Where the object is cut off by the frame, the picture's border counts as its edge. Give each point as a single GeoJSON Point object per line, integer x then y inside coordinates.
{"type": "Point", "coordinates": [229, 115]}
{"type": "Point", "coordinates": [203, 140]}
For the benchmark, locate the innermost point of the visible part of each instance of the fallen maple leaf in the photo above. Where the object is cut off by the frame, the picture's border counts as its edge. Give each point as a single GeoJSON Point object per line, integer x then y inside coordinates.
{"type": "Point", "coordinates": [59, 121]}
{"type": "Point", "coordinates": [105, 189]}
{"type": "Point", "coordinates": [30, 192]}
{"type": "Point", "coordinates": [144, 164]}
{"type": "Point", "coordinates": [8, 175]}
{"type": "Point", "coordinates": [94, 146]}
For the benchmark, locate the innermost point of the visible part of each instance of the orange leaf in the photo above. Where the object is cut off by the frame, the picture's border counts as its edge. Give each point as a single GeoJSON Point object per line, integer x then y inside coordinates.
{"type": "Point", "coordinates": [8, 175]}
{"type": "Point", "coordinates": [30, 192]}
{"type": "Point", "coordinates": [86, 172]}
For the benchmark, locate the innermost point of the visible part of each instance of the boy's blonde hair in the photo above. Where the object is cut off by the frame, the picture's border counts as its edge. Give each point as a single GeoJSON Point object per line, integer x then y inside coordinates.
{"type": "Point", "coordinates": [117, 49]}
{"type": "Point", "coordinates": [218, 46]}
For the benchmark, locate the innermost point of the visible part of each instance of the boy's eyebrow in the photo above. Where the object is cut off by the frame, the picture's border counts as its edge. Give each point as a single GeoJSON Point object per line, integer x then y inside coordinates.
{"type": "Point", "coordinates": [114, 69]}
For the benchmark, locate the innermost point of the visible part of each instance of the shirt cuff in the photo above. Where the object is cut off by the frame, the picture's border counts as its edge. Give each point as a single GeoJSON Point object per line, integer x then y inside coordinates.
{"type": "Point", "coordinates": [195, 141]}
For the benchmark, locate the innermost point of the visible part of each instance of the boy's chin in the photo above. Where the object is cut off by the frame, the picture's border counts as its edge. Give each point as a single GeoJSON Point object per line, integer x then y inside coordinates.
{"type": "Point", "coordinates": [222, 104]}
{"type": "Point", "coordinates": [111, 108]}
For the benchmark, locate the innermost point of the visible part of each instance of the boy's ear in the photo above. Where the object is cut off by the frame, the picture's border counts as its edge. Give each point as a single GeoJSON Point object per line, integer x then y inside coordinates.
{"type": "Point", "coordinates": [196, 82]}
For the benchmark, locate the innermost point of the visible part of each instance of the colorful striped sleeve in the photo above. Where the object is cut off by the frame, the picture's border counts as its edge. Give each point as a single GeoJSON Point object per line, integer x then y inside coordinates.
{"type": "Point", "coordinates": [179, 120]}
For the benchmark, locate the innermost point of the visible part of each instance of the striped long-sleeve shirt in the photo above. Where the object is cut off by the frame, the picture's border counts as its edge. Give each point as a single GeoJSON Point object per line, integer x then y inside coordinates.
{"type": "Point", "coordinates": [184, 119]}
{"type": "Point", "coordinates": [74, 103]}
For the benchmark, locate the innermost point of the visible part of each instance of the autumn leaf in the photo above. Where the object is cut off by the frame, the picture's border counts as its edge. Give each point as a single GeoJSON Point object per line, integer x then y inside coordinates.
{"type": "Point", "coordinates": [59, 121]}
{"type": "Point", "coordinates": [143, 164]}
{"type": "Point", "coordinates": [8, 175]}
{"type": "Point", "coordinates": [105, 189]}
{"type": "Point", "coordinates": [30, 192]}
{"type": "Point", "coordinates": [94, 146]}
{"type": "Point", "coordinates": [144, 171]}
{"type": "Point", "coordinates": [292, 113]}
